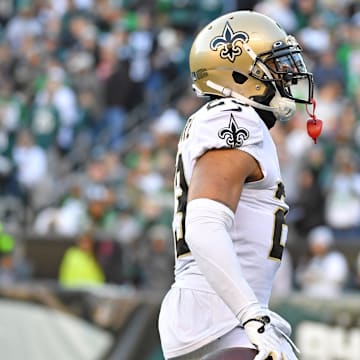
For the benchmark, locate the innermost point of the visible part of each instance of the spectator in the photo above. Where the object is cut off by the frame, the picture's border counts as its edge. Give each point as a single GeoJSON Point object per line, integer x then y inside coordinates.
{"type": "Point", "coordinates": [157, 258]}
{"type": "Point", "coordinates": [343, 192]}
{"type": "Point", "coordinates": [23, 24]}
{"type": "Point", "coordinates": [127, 228]}
{"type": "Point", "coordinates": [315, 37]}
{"type": "Point", "coordinates": [73, 23]}
{"type": "Point", "coordinates": [347, 127]}
{"type": "Point", "coordinates": [101, 211]}
{"type": "Point", "coordinates": [9, 185]}
{"type": "Point", "coordinates": [325, 273]}
{"type": "Point", "coordinates": [31, 162]}
{"type": "Point", "coordinates": [6, 59]}
{"type": "Point", "coordinates": [7, 272]}
{"type": "Point", "coordinates": [304, 9]}
{"type": "Point", "coordinates": [327, 68]}
{"type": "Point", "coordinates": [29, 69]}
{"type": "Point", "coordinates": [330, 104]}
{"type": "Point", "coordinates": [280, 11]}
{"type": "Point", "coordinates": [79, 266]}
{"type": "Point", "coordinates": [11, 108]}
{"type": "Point", "coordinates": [348, 53]}
{"type": "Point", "coordinates": [30, 159]}
{"type": "Point", "coordinates": [62, 97]}
{"type": "Point", "coordinates": [11, 269]}
{"type": "Point", "coordinates": [113, 71]}
{"type": "Point", "coordinates": [44, 123]}
{"type": "Point", "coordinates": [69, 219]}
{"type": "Point", "coordinates": [308, 211]}
{"type": "Point", "coordinates": [141, 43]}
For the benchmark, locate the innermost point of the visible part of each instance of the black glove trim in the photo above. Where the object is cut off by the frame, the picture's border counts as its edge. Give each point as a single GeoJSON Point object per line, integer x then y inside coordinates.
{"type": "Point", "coordinates": [262, 319]}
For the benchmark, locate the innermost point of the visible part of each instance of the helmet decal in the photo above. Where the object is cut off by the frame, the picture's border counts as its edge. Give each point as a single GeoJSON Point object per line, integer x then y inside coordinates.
{"type": "Point", "coordinates": [234, 135]}
{"type": "Point", "coordinates": [227, 43]}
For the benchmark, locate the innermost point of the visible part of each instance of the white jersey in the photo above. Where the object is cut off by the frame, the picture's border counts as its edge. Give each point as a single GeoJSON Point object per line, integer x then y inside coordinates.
{"type": "Point", "coordinates": [258, 232]}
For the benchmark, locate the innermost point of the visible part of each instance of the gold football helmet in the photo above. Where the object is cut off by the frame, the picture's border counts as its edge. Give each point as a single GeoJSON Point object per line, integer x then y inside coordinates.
{"type": "Point", "coordinates": [247, 55]}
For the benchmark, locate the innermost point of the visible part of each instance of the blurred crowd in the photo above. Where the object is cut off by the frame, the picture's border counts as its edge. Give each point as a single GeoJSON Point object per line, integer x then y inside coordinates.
{"type": "Point", "coordinates": [94, 94]}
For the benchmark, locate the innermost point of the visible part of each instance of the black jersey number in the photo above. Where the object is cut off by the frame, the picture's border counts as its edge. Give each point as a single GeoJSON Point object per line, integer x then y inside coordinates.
{"type": "Point", "coordinates": [181, 193]}
{"type": "Point", "coordinates": [277, 248]}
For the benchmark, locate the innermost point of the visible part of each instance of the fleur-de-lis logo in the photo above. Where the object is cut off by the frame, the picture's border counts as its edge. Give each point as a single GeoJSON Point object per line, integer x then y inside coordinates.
{"type": "Point", "coordinates": [227, 43]}
{"type": "Point", "coordinates": [233, 134]}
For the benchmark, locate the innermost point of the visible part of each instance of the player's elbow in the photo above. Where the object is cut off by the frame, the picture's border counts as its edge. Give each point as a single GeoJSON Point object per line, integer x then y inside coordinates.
{"type": "Point", "coordinates": [206, 217]}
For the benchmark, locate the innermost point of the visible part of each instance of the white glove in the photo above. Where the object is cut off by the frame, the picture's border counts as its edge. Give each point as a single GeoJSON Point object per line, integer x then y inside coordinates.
{"type": "Point", "coordinates": [268, 339]}
{"type": "Point", "coordinates": [263, 336]}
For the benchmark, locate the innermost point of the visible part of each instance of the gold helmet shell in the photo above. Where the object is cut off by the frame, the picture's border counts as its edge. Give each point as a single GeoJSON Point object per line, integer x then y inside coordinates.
{"type": "Point", "coordinates": [248, 53]}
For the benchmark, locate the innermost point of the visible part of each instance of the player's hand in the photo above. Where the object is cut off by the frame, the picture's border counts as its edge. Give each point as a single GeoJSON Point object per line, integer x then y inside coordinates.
{"type": "Point", "coordinates": [267, 339]}
{"type": "Point", "coordinates": [271, 337]}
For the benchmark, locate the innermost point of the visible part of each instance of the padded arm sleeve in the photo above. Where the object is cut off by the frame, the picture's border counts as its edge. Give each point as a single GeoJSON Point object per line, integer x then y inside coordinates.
{"type": "Point", "coordinates": [207, 233]}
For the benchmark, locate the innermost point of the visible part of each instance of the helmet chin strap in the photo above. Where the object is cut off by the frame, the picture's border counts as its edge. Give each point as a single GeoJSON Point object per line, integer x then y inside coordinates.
{"type": "Point", "coordinates": [283, 108]}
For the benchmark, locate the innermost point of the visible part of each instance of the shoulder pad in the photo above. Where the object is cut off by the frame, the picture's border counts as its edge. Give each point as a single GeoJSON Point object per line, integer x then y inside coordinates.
{"type": "Point", "coordinates": [222, 124]}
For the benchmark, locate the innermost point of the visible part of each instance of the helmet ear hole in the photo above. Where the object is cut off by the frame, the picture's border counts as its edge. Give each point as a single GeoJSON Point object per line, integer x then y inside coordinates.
{"type": "Point", "coordinates": [238, 77]}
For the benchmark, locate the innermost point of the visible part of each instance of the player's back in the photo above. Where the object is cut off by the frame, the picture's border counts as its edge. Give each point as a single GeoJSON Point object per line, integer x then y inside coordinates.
{"type": "Point", "coordinates": [259, 218]}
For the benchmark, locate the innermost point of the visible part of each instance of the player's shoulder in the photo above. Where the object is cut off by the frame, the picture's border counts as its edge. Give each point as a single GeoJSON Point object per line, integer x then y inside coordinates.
{"type": "Point", "coordinates": [223, 123]}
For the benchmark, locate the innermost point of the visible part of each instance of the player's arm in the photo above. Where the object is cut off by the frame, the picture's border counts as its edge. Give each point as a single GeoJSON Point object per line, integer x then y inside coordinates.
{"type": "Point", "coordinates": [220, 175]}
{"type": "Point", "coordinates": [214, 191]}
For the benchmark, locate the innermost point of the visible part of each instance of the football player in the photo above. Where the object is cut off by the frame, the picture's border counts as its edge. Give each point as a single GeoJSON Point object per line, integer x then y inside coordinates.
{"type": "Point", "coordinates": [229, 219]}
